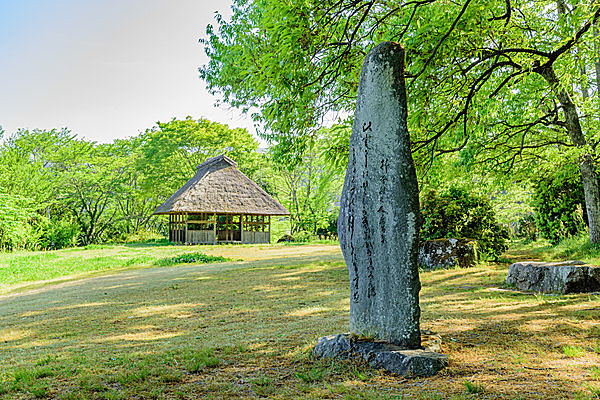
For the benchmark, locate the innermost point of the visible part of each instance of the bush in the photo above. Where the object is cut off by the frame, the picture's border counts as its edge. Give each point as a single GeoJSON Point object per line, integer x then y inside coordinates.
{"type": "Point", "coordinates": [15, 211]}
{"type": "Point", "coordinates": [58, 234]}
{"type": "Point", "coordinates": [189, 258]}
{"type": "Point", "coordinates": [328, 228]}
{"type": "Point", "coordinates": [140, 236]}
{"type": "Point", "coordinates": [302, 237]}
{"type": "Point", "coordinates": [527, 229]}
{"type": "Point", "coordinates": [559, 204]}
{"type": "Point", "coordinates": [459, 214]}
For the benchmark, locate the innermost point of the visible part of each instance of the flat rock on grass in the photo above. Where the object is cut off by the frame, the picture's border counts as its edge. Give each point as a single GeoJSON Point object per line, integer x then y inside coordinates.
{"type": "Point", "coordinates": [381, 355]}
{"type": "Point", "coordinates": [562, 277]}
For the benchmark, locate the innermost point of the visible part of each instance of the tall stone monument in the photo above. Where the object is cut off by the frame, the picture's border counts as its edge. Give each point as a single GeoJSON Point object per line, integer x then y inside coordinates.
{"type": "Point", "coordinates": [378, 227]}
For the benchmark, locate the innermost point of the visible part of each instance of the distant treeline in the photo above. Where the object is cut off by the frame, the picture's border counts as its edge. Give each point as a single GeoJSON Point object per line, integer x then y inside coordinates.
{"type": "Point", "coordinates": [58, 190]}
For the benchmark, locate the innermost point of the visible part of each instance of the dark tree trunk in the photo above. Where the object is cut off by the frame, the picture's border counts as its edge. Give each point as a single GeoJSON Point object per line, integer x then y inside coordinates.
{"type": "Point", "coordinates": [587, 166]}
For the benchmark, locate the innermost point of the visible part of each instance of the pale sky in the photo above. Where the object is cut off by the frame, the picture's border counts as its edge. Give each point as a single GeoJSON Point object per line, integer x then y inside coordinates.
{"type": "Point", "coordinates": [105, 69]}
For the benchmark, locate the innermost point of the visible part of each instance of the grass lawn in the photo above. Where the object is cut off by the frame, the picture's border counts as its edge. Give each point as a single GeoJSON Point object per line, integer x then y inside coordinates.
{"type": "Point", "coordinates": [245, 329]}
{"type": "Point", "coordinates": [23, 269]}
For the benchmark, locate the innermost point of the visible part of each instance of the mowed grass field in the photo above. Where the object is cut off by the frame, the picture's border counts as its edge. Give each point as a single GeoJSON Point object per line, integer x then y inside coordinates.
{"type": "Point", "coordinates": [245, 329]}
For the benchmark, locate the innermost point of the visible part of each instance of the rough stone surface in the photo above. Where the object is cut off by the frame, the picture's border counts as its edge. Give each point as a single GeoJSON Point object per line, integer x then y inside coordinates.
{"type": "Point", "coordinates": [286, 238]}
{"type": "Point", "coordinates": [444, 253]}
{"type": "Point", "coordinates": [379, 214]}
{"type": "Point", "coordinates": [564, 277]}
{"type": "Point", "coordinates": [420, 362]}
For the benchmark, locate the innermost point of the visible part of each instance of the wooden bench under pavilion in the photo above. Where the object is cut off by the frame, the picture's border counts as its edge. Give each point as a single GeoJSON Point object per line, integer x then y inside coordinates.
{"type": "Point", "coordinates": [220, 205]}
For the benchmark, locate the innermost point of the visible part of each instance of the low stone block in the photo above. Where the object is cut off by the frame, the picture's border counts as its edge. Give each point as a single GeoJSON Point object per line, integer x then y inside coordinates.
{"type": "Point", "coordinates": [381, 355]}
{"type": "Point", "coordinates": [445, 253]}
{"type": "Point", "coordinates": [286, 239]}
{"type": "Point", "coordinates": [563, 277]}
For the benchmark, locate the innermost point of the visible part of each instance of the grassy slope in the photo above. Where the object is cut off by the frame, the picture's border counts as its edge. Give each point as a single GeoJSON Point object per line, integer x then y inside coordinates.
{"type": "Point", "coordinates": [245, 330]}
{"type": "Point", "coordinates": [573, 248]}
{"type": "Point", "coordinates": [23, 268]}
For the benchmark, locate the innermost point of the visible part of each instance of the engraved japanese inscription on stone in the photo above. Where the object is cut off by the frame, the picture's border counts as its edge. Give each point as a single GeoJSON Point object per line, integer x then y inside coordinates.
{"type": "Point", "coordinates": [379, 216]}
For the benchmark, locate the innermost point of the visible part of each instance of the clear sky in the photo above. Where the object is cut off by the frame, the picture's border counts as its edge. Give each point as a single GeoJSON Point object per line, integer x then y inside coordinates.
{"type": "Point", "coordinates": [105, 69]}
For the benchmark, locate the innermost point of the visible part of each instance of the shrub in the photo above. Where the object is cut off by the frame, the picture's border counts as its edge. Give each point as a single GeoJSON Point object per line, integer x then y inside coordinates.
{"type": "Point", "coordinates": [58, 234]}
{"type": "Point", "coordinates": [302, 237]}
{"type": "Point", "coordinates": [559, 204]}
{"type": "Point", "coordinates": [15, 211]}
{"type": "Point", "coordinates": [189, 258]}
{"type": "Point", "coordinates": [459, 214]}
{"type": "Point", "coordinates": [527, 228]}
{"type": "Point", "coordinates": [139, 236]}
{"type": "Point", "coordinates": [328, 226]}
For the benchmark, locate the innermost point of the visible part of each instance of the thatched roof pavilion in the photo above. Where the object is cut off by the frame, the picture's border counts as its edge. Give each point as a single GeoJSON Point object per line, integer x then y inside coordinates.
{"type": "Point", "coordinates": [220, 204]}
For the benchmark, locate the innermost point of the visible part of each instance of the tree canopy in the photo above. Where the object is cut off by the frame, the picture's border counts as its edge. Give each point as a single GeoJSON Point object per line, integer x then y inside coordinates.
{"type": "Point", "coordinates": [505, 84]}
{"type": "Point", "coordinates": [58, 190]}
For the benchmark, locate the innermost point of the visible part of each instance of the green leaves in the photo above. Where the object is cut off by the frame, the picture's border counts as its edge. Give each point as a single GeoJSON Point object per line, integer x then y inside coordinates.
{"type": "Point", "coordinates": [60, 190]}
{"type": "Point", "coordinates": [15, 211]}
{"type": "Point", "coordinates": [559, 204]}
{"type": "Point", "coordinates": [457, 213]}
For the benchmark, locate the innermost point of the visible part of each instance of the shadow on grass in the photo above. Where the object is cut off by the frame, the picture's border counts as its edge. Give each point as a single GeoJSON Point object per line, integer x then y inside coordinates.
{"type": "Point", "coordinates": [261, 320]}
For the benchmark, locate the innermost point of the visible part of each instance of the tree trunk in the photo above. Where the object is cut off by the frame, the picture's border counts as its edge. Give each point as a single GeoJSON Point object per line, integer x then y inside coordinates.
{"type": "Point", "coordinates": [587, 166]}
{"type": "Point", "coordinates": [596, 57]}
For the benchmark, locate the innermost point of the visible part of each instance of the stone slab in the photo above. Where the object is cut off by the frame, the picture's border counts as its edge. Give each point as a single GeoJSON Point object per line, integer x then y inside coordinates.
{"type": "Point", "coordinates": [563, 277]}
{"type": "Point", "coordinates": [445, 253]}
{"type": "Point", "coordinates": [381, 355]}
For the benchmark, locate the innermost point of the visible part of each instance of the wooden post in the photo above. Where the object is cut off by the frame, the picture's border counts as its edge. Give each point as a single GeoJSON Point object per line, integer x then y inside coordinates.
{"type": "Point", "coordinates": [242, 228]}
{"type": "Point", "coordinates": [269, 235]}
{"type": "Point", "coordinates": [185, 225]}
{"type": "Point", "coordinates": [215, 228]}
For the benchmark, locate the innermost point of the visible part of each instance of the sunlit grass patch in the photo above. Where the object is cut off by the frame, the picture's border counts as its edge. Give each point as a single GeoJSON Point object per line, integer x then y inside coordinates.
{"type": "Point", "coordinates": [574, 351]}
{"type": "Point", "coordinates": [247, 330]}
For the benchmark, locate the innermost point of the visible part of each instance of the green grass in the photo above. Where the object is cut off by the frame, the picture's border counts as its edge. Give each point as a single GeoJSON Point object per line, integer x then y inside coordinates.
{"type": "Point", "coordinates": [473, 388]}
{"type": "Point", "coordinates": [21, 267]}
{"type": "Point", "coordinates": [189, 258]}
{"type": "Point", "coordinates": [574, 351]}
{"type": "Point", "coordinates": [246, 331]}
{"type": "Point", "coordinates": [573, 248]}
{"type": "Point", "coordinates": [312, 375]}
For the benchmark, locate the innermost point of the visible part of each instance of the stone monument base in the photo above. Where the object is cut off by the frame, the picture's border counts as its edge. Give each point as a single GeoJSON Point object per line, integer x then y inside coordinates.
{"type": "Point", "coordinates": [381, 355]}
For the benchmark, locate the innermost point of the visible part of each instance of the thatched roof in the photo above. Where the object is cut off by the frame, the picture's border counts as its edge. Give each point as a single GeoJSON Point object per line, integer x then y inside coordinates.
{"type": "Point", "coordinates": [219, 187]}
